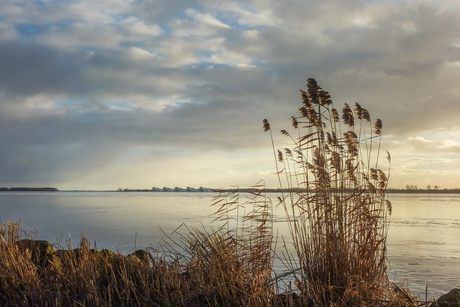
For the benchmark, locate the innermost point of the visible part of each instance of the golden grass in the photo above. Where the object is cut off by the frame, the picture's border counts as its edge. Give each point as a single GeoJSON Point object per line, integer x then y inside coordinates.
{"type": "Point", "coordinates": [339, 219]}
{"type": "Point", "coordinates": [203, 268]}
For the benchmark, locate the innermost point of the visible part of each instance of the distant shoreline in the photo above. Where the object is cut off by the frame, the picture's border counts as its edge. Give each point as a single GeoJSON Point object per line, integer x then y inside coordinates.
{"type": "Point", "coordinates": [29, 189]}
{"type": "Point", "coordinates": [51, 189]}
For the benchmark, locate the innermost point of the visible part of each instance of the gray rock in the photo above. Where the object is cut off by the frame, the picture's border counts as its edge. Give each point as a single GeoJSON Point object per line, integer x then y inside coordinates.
{"type": "Point", "coordinates": [41, 250]}
{"type": "Point", "coordinates": [451, 299]}
{"type": "Point", "coordinates": [142, 255]}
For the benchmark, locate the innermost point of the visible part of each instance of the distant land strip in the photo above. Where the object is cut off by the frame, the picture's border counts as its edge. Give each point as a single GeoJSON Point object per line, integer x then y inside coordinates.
{"type": "Point", "coordinates": [25, 189]}
{"type": "Point", "coordinates": [268, 190]}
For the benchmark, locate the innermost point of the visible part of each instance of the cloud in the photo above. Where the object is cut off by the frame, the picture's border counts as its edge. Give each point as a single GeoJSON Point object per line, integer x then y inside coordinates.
{"type": "Point", "coordinates": [420, 144]}
{"type": "Point", "coordinates": [89, 89]}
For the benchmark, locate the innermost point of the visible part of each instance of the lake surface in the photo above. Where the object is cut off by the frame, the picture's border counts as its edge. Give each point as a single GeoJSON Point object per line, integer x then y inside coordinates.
{"type": "Point", "coordinates": [423, 239]}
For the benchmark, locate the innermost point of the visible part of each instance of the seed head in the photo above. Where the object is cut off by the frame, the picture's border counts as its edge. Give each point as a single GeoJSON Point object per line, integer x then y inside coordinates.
{"type": "Point", "coordinates": [378, 127]}
{"type": "Point", "coordinates": [294, 122]}
{"type": "Point", "coordinates": [266, 125]}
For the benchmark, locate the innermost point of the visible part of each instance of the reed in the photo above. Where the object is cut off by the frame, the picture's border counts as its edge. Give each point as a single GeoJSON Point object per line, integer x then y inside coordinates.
{"type": "Point", "coordinates": [227, 266]}
{"type": "Point", "coordinates": [338, 215]}
{"type": "Point", "coordinates": [84, 276]}
{"type": "Point", "coordinates": [232, 264]}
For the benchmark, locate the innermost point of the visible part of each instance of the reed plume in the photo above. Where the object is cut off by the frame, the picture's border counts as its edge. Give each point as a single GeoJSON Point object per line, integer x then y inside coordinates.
{"type": "Point", "coordinates": [339, 217]}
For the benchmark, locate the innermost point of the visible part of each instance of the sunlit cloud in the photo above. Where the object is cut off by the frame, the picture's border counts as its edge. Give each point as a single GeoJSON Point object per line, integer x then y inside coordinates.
{"type": "Point", "coordinates": [422, 145]}
{"type": "Point", "coordinates": [92, 89]}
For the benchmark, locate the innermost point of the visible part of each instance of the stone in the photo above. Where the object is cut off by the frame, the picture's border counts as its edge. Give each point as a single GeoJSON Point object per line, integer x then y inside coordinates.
{"type": "Point", "coordinates": [41, 250]}
{"type": "Point", "coordinates": [132, 258]}
{"type": "Point", "coordinates": [106, 254]}
{"type": "Point", "coordinates": [450, 299]}
{"type": "Point", "coordinates": [41, 246]}
{"type": "Point", "coordinates": [142, 255]}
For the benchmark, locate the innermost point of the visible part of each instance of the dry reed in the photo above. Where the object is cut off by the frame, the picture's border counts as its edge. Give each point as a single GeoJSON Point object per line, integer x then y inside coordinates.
{"type": "Point", "coordinates": [338, 217]}
{"type": "Point", "coordinates": [229, 266]}
{"type": "Point", "coordinates": [84, 277]}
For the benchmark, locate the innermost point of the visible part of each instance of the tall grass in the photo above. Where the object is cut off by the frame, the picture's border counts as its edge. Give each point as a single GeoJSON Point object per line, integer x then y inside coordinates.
{"type": "Point", "coordinates": [83, 277]}
{"type": "Point", "coordinates": [227, 266]}
{"type": "Point", "coordinates": [336, 206]}
{"type": "Point", "coordinates": [233, 263]}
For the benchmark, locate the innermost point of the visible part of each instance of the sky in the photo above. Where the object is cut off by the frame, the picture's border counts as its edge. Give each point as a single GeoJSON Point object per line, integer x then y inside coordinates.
{"type": "Point", "coordinates": [114, 94]}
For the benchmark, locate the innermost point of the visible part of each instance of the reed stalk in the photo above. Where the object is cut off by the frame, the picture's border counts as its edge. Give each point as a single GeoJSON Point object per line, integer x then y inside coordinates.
{"type": "Point", "coordinates": [337, 209]}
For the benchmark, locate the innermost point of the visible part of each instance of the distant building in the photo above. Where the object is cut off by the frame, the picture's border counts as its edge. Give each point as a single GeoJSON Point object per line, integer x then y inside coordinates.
{"type": "Point", "coordinates": [179, 189]}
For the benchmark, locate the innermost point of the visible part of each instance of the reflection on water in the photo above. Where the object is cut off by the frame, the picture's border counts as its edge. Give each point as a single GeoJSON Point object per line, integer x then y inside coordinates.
{"type": "Point", "coordinates": [117, 221]}
{"type": "Point", "coordinates": [423, 239]}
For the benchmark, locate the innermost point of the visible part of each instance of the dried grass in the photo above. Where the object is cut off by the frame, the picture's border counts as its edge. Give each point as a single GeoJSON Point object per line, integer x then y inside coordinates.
{"type": "Point", "coordinates": [336, 207]}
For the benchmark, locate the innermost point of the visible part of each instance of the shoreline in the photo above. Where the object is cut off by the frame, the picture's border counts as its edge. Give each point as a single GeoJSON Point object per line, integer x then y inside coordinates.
{"type": "Point", "coordinates": [55, 190]}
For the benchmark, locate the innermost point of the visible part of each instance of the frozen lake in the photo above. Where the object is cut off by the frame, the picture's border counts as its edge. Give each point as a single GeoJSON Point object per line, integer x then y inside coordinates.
{"type": "Point", "coordinates": [423, 240]}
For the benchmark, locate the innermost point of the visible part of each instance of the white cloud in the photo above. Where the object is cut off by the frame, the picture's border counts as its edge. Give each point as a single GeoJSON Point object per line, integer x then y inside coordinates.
{"type": "Point", "coordinates": [449, 146]}
{"type": "Point", "coordinates": [143, 29]}
{"type": "Point", "coordinates": [205, 19]}
{"type": "Point", "coordinates": [420, 145]}
{"type": "Point", "coordinates": [260, 15]}
{"type": "Point", "coordinates": [139, 53]}
{"type": "Point", "coordinates": [97, 12]}
{"type": "Point", "coordinates": [200, 75]}
{"type": "Point", "coordinates": [232, 58]}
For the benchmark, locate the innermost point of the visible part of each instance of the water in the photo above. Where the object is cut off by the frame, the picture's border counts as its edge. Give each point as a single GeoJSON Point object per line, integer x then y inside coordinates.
{"type": "Point", "coordinates": [423, 239]}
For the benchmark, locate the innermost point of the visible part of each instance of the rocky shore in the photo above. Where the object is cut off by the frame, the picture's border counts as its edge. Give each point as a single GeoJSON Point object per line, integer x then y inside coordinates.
{"type": "Point", "coordinates": [43, 254]}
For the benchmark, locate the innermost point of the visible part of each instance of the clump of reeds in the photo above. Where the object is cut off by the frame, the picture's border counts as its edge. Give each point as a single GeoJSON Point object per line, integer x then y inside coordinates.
{"type": "Point", "coordinates": [86, 277]}
{"type": "Point", "coordinates": [232, 264]}
{"type": "Point", "coordinates": [336, 206]}
{"type": "Point", "coordinates": [227, 266]}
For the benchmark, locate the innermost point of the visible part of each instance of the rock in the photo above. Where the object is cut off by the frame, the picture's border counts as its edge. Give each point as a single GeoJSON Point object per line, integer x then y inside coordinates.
{"type": "Point", "coordinates": [107, 253]}
{"type": "Point", "coordinates": [139, 256]}
{"type": "Point", "coordinates": [133, 259]}
{"type": "Point", "coordinates": [451, 299]}
{"type": "Point", "coordinates": [56, 261]}
{"type": "Point", "coordinates": [41, 250]}
{"type": "Point", "coordinates": [142, 255]}
{"type": "Point", "coordinates": [41, 246]}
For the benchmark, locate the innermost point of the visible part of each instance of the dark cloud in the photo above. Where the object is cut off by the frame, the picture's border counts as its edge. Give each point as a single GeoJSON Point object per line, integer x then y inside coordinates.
{"type": "Point", "coordinates": [29, 68]}
{"type": "Point", "coordinates": [91, 89]}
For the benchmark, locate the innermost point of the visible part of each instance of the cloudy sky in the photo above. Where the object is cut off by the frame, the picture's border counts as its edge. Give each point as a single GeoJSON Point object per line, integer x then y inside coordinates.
{"type": "Point", "coordinates": [140, 93]}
